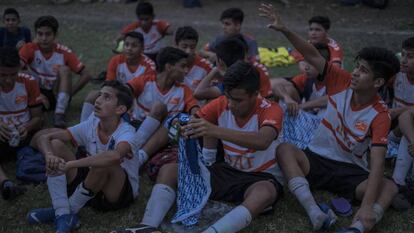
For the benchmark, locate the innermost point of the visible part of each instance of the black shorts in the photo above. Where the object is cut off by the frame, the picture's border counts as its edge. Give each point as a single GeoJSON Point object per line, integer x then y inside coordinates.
{"type": "Point", "coordinates": [50, 95]}
{"type": "Point", "coordinates": [334, 176]}
{"type": "Point", "coordinates": [99, 202]}
{"type": "Point", "coordinates": [229, 184]}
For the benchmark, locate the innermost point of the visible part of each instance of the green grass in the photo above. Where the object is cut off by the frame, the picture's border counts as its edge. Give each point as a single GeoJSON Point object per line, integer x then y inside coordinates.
{"type": "Point", "coordinates": [92, 40]}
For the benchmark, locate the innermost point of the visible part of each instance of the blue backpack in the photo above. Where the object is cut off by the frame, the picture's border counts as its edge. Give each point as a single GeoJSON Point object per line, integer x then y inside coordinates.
{"type": "Point", "coordinates": [30, 165]}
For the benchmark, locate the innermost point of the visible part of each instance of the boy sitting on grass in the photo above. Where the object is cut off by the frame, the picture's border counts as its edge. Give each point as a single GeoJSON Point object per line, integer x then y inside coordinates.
{"type": "Point", "coordinates": [11, 35]}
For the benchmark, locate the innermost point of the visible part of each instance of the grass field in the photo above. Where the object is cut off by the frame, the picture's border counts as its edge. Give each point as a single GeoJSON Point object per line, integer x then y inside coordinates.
{"type": "Point", "coordinates": [89, 31]}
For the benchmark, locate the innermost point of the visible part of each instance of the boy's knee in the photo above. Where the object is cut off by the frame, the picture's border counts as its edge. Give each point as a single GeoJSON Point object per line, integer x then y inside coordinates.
{"type": "Point", "coordinates": [283, 150]}
{"type": "Point", "coordinates": [91, 97]}
{"type": "Point", "coordinates": [168, 174]}
{"type": "Point", "coordinates": [63, 71]}
{"type": "Point", "coordinates": [390, 187]}
{"type": "Point", "coordinates": [159, 111]}
{"type": "Point", "coordinates": [57, 143]}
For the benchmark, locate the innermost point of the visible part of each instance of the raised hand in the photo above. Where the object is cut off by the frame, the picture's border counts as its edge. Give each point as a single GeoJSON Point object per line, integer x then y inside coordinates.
{"type": "Point", "coordinates": [267, 10]}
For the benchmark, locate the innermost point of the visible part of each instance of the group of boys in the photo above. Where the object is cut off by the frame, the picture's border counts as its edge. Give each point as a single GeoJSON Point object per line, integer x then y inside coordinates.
{"type": "Point", "coordinates": [232, 110]}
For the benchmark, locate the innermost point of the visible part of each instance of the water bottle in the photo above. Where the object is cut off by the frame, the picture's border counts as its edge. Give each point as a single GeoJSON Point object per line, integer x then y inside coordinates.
{"type": "Point", "coordinates": [14, 136]}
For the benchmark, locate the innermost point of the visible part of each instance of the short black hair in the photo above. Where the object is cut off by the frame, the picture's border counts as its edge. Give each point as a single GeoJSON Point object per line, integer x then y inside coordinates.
{"type": "Point", "coordinates": [322, 20]}
{"type": "Point", "coordinates": [11, 11]}
{"type": "Point", "coordinates": [230, 50]}
{"type": "Point", "coordinates": [323, 50]}
{"type": "Point", "coordinates": [169, 55]}
{"type": "Point", "coordinates": [123, 93]}
{"type": "Point", "coordinates": [9, 57]}
{"type": "Point", "coordinates": [408, 43]}
{"type": "Point", "coordinates": [47, 21]}
{"type": "Point", "coordinates": [185, 33]}
{"type": "Point", "coordinates": [234, 13]}
{"type": "Point", "coordinates": [242, 75]}
{"type": "Point", "coordinates": [144, 8]}
{"type": "Point", "coordinates": [382, 62]}
{"type": "Point", "coordinates": [136, 35]}
{"type": "Point", "coordinates": [240, 37]}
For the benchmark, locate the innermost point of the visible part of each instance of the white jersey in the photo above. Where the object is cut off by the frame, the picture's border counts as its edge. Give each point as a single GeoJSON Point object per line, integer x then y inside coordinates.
{"type": "Point", "coordinates": [86, 134]}
{"type": "Point", "coordinates": [403, 91]}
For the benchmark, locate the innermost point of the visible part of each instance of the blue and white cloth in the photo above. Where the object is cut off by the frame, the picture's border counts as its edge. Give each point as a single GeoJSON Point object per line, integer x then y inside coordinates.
{"type": "Point", "coordinates": [193, 183]}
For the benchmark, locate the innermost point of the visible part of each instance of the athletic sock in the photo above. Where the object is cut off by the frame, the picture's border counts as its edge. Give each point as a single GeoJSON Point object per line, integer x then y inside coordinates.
{"type": "Point", "coordinates": [146, 129]}
{"type": "Point", "coordinates": [233, 221]}
{"type": "Point", "coordinates": [403, 163]}
{"type": "Point", "coordinates": [299, 186]}
{"type": "Point", "coordinates": [161, 200]}
{"type": "Point", "coordinates": [379, 212]}
{"type": "Point", "coordinates": [79, 198]}
{"type": "Point", "coordinates": [87, 110]}
{"type": "Point", "coordinates": [62, 102]}
{"type": "Point", "coordinates": [58, 194]}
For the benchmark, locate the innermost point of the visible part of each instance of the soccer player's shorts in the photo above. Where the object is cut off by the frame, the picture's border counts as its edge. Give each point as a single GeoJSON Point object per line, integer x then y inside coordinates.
{"type": "Point", "coordinates": [50, 95]}
{"type": "Point", "coordinates": [334, 176]}
{"type": "Point", "coordinates": [230, 184]}
{"type": "Point", "coordinates": [99, 202]}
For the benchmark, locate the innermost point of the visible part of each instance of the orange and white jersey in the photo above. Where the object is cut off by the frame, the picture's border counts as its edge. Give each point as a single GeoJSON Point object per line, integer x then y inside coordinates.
{"type": "Point", "coordinates": [45, 67]}
{"type": "Point", "coordinates": [15, 104]}
{"type": "Point", "coordinates": [266, 113]}
{"type": "Point", "coordinates": [335, 51]}
{"type": "Point", "coordinates": [265, 86]}
{"type": "Point", "coordinates": [347, 132]}
{"type": "Point", "coordinates": [403, 91]}
{"type": "Point", "coordinates": [197, 72]}
{"type": "Point", "coordinates": [118, 69]}
{"type": "Point", "coordinates": [145, 89]}
{"type": "Point", "coordinates": [152, 37]}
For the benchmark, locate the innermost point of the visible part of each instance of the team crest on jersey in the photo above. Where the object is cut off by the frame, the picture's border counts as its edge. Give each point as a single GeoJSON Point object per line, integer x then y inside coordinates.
{"type": "Point", "coordinates": [20, 99]}
{"type": "Point", "coordinates": [361, 126]}
{"type": "Point", "coordinates": [175, 101]}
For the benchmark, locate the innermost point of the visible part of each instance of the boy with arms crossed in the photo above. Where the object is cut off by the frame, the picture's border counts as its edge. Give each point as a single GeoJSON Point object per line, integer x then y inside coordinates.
{"type": "Point", "coordinates": [248, 125]}
{"type": "Point", "coordinates": [107, 177]}
{"type": "Point", "coordinates": [51, 63]}
{"type": "Point", "coordinates": [356, 120]}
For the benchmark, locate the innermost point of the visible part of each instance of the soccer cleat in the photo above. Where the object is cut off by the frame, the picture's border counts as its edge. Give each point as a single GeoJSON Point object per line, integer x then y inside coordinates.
{"type": "Point", "coordinates": [67, 223]}
{"type": "Point", "coordinates": [331, 219]}
{"type": "Point", "coordinates": [59, 120]}
{"type": "Point", "coordinates": [42, 215]}
{"type": "Point", "coordinates": [140, 228]}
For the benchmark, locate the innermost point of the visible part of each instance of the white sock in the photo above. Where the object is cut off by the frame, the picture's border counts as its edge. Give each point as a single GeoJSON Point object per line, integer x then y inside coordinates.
{"type": "Point", "coordinates": [209, 156]}
{"type": "Point", "coordinates": [161, 200]}
{"type": "Point", "coordinates": [146, 129]}
{"type": "Point", "coordinates": [58, 194]}
{"type": "Point", "coordinates": [79, 198]}
{"type": "Point", "coordinates": [403, 163]}
{"type": "Point", "coordinates": [142, 156]}
{"type": "Point", "coordinates": [234, 221]}
{"type": "Point", "coordinates": [87, 110]}
{"type": "Point", "coordinates": [299, 186]}
{"type": "Point", "coordinates": [379, 212]}
{"type": "Point", "coordinates": [62, 102]}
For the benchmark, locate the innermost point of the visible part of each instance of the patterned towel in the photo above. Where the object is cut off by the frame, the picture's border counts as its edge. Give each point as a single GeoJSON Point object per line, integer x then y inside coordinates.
{"type": "Point", "coordinates": [193, 183]}
{"type": "Point", "coordinates": [299, 130]}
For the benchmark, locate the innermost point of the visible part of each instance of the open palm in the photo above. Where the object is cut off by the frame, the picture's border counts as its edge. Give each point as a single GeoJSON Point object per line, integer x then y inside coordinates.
{"type": "Point", "coordinates": [268, 11]}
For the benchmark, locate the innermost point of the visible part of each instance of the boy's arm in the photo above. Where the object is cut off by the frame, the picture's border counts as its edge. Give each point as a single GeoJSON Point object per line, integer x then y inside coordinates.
{"type": "Point", "coordinates": [199, 127]}
{"type": "Point", "coordinates": [204, 89]}
{"type": "Point", "coordinates": [34, 124]}
{"type": "Point", "coordinates": [83, 80]}
{"type": "Point", "coordinates": [406, 124]}
{"type": "Point", "coordinates": [309, 52]}
{"type": "Point", "coordinates": [320, 102]}
{"type": "Point", "coordinates": [103, 159]}
{"type": "Point", "coordinates": [366, 213]}
{"type": "Point", "coordinates": [44, 145]}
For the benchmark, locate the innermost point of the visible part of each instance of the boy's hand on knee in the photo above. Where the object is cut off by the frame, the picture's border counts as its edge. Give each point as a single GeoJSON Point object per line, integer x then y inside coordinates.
{"type": "Point", "coordinates": [53, 162]}
{"type": "Point", "coordinates": [366, 216]}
